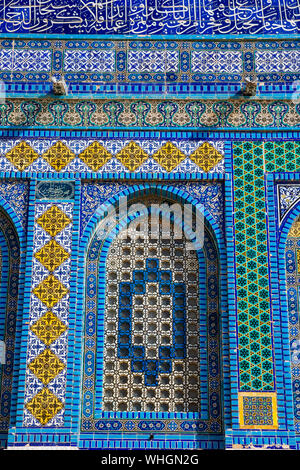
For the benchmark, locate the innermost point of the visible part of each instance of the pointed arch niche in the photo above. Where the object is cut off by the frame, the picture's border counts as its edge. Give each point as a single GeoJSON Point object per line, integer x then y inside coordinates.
{"type": "Point", "coordinates": [152, 360]}
{"type": "Point", "coordinates": [9, 280]}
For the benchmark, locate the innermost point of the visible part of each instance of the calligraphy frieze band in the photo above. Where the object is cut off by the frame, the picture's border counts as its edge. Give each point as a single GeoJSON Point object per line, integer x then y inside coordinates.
{"type": "Point", "coordinates": [150, 17]}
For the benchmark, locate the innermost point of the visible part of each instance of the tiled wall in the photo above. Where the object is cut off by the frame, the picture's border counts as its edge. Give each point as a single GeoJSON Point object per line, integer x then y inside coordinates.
{"type": "Point", "coordinates": [187, 68]}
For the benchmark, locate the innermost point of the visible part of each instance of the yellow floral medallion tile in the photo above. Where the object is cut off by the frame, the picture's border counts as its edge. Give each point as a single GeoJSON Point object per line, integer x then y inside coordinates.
{"type": "Point", "coordinates": [48, 328]}
{"type": "Point", "coordinates": [44, 406]}
{"type": "Point", "coordinates": [132, 156]}
{"type": "Point", "coordinates": [53, 220]}
{"type": "Point", "coordinates": [169, 156]}
{"type": "Point", "coordinates": [206, 157]}
{"type": "Point", "coordinates": [50, 291]}
{"type": "Point", "coordinates": [46, 366]}
{"type": "Point", "coordinates": [58, 156]}
{"type": "Point", "coordinates": [22, 155]}
{"type": "Point", "coordinates": [52, 255]}
{"type": "Point", "coordinates": [95, 156]}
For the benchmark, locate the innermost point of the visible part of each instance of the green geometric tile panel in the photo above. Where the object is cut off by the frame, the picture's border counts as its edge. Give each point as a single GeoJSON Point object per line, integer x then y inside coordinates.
{"type": "Point", "coordinates": [251, 257]}
{"type": "Point", "coordinates": [284, 156]}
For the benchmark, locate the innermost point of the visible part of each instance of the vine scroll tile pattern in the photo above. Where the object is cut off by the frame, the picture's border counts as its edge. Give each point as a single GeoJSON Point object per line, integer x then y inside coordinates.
{"type": "Point", "coordinates": [151, 113]}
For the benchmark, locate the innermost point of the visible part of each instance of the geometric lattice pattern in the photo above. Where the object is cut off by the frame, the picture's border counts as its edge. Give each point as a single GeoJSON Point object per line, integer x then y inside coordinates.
{"type": "Point", "coordinates": [49, 296]}
{"type": "Point", "coordinates": [252, 283]}
{"type": "Point", "coordinates": [282, 156]}
{"type": "Point", "coordinates": [155, 338]}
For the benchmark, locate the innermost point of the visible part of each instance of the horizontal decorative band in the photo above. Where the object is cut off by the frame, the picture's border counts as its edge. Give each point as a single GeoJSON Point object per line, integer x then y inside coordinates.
{"type": "Point", "coordinates": [151, 114]}
{"type": "Point", "coordinates": [146, 67]}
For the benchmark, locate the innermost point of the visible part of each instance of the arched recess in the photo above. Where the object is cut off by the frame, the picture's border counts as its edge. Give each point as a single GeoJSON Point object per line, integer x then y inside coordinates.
{"type": "Point", "coordinates": [200, 414]}
{"type": "Point", "coordinates": [9, 283]}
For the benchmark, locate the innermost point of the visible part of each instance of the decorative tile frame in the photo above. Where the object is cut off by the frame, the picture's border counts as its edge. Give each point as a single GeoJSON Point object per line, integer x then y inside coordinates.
{"type": "Point", "coordinates": [47, 338]}
{"type": "Point", "coordinates": [258, 410]}
{"type": "Point", "coordinates": [13, 202]}
{"type": "Point", "coordinates": [130, 422]}
{"type": "Point", "coordinates": [10, 264]}
{"type": "Point", "coordinates": [276, 157]}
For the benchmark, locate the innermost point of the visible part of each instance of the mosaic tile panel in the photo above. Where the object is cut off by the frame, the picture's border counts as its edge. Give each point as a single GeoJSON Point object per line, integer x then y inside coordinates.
{"type": "Point", "coordinates": [277, 61]}
{"type": "Point", "coordinates": [282, 156]}
{"type": "Point", "coordinates": [116, 156]}
{"type": "Point", "coordinates": [288, 196]}
{"type": "Point", "coordinates": [15, 194]}
{"type": "Point", "coordinates": [252, 277]}
{"type": "Point", "coordinates": [251, 161]}
{"type": "Point", "coordinates": [211, 195]}
{"type": "Point", "coordinates": [89, 61]}
{"type": "Point", "coordinates": [153, 61]}
{"type": "Point", "coordinates": [147, 17]}
{"type": "Point", "coordinates": [21, 60]}
{"type": "Point", "coordinates": [47, 339]}
{"type": "Point", "coordinates": [211, 62]}
{"type": "Point", "coordinates": [161, 376]}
